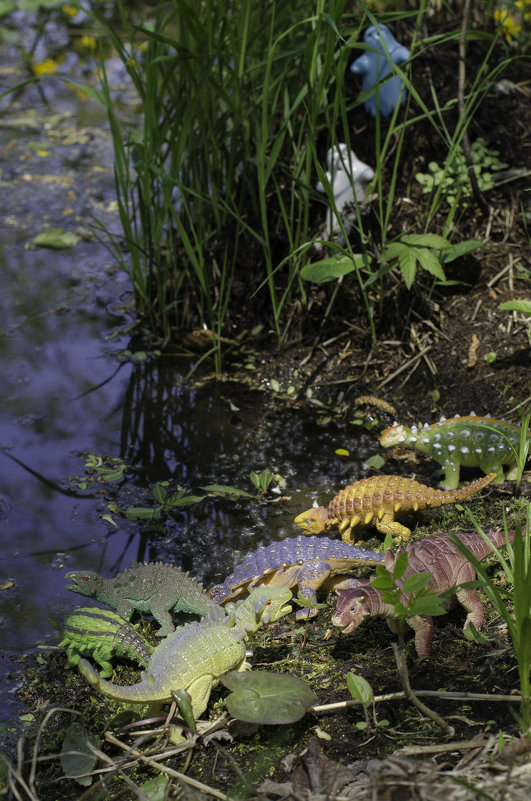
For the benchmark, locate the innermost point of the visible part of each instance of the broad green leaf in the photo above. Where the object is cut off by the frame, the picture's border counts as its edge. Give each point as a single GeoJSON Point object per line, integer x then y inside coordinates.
{"type": "Point", "coordinates": [185, 500]}
{"type": "Point", "coordinates": [430, 262]}
{"type": "Point", "coordinates": [140, 513]}
{"type": "Point", "coordinates": [159, 492]}
{"type": "Point", "coordinates": [271, 698]}
{"type": "Point", "coordinates": [400, 565]}
{"type": "Point", "coordinates": [329, 269]}
{"type": "Point", "coordinates": [415, 582]}
{"type": "Point", "coordinates": [155, 789]}
{"type": "Point", "coordinates": [428, 605]}
{"type": "Point", "coordinates": [56, 238]}
{"type": "Point", "coordinates": [226, 490]}
{"type": "Point", "coordinates": [110, 474]}
{"type": "Point", "coordinates": [522, 306]}
{"type": "Point", "coordinates": [426, 241]}
{"type": "Point", "coordinates": [460, 249]}
{"type": "Point", "coordinates": [407, 259]}
{"type": "Point", "coordinates": [359, 688]}
{"type": "Point", "coordinates": [77, 758]}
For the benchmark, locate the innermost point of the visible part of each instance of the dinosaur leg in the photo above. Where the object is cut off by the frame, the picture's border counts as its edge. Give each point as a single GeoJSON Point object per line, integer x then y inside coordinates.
{"type": "Point", "coordinates": [163, 617]}
{"type": "Point", "coordinates": [451, 475]}
{"type": "Point", "coordinates": [387, 525]}
{"type": "Point", "coordinates": [310, 577]}
{"type": "Point", "coordinates": [199, 692]}
{"type": "Point", "coordinates": [488, 466]}
{"type": "Point", "coordinates": [423, 628]}
{"type": "Point", "coordinates": [469, 599]}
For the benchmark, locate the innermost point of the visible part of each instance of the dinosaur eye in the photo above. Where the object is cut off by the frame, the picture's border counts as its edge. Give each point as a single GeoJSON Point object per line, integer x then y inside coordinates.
{"type": "Point", "coordinates": [85, 578]}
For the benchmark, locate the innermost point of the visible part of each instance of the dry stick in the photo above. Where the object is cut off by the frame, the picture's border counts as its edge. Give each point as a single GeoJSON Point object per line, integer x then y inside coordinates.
{"type": "Point", "coordinates": [168, 771]}
{"type": "Point", "coordinates": [413, 361]}
{"type": "Point", "coordinates": [456, 696]}
{"type": "Point", "coordinates": [461, 105]}
{"type": "Point", "coordinates": [423, 709]}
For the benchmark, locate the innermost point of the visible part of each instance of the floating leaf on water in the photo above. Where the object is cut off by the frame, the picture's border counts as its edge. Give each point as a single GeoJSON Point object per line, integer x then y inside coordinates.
{"type": "Point", "coordinates": [275, 386]}
{"type": "Point", "coordinates": [56, 238]}
{"type": "Point", "coordinates": [342, 452]}
{"type": "Point", "coordinates": [269, 698]}
{"type": "Point", "coordinates": [77, 758]}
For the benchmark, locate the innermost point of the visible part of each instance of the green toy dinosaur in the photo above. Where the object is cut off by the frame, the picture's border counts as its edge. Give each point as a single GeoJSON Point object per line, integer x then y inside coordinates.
{"type": "Point", "coordinates": [153, 587]}
{"type": "Point", "coordinates": [101, 634]}
{"type": "Point", "coordinates": [195, 656]}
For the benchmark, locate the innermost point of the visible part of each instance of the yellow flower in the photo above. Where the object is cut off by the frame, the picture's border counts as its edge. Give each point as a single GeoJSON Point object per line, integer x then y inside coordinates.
{"type": "Point", "coordinates": [70, 11]}
{"type": "Point", "coordinates": [88, 42]}
{"type": "Point", "coordinates": [46, 67]}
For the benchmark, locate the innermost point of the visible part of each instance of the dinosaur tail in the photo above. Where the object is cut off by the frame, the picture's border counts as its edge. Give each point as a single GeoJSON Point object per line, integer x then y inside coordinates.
{"type": "Point", "coordinates": [141, 693]}
{"type": "Point", "coordinates": [477, 545]}
{"type": "Point", "coordinates": [442, 497]}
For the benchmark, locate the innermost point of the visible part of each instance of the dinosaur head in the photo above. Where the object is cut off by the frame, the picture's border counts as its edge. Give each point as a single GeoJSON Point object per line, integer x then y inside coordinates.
{"type": "Point", "coordinates": [393, 435]}
{"type": "Point", "coordinates": [85, 582]}
{"type": "Point", "coordinates": [264, 605]}
{"type": "Point", "coordinates": [313, 521]}
{"type": "Point", "coordinates": [351, 609]}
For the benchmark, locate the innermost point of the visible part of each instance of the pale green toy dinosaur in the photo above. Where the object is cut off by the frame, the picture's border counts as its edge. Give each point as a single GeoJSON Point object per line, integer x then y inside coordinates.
{"type": "Point", "coordinates": [195, 656]}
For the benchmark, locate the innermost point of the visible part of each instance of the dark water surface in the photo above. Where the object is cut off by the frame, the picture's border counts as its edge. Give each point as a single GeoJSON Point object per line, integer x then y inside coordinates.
{"type": "Point", "coordinates": [66, 393]}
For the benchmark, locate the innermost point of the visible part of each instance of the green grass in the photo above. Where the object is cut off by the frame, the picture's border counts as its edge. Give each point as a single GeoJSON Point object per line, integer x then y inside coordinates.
{"type": "Point", "coordinates": [216, 185]}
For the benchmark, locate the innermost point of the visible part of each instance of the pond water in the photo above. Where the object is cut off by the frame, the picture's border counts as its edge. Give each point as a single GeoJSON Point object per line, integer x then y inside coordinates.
{"type": "Point", "coordinates": [66, 392]}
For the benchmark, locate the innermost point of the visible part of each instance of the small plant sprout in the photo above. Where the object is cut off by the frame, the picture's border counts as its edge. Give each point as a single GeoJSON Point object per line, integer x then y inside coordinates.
{"type": "Point", "coordinates": [361, 690]}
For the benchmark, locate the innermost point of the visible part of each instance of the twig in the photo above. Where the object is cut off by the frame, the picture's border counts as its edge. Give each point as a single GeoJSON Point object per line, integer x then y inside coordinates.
{"type": "Point", "coordinates": [204, 788]}
{"type": "Point", "coordinates": [409, 363]}
{"type": "Point", "coordinates": [456, 696]}
{"type": "Point", "coordinates": [423, 709]}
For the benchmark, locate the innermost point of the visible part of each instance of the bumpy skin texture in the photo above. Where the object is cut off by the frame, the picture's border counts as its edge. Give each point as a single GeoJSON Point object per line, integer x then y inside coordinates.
{"type": "Point", "coordinates": [304, 563]}
{"type": "Point", "coordinates": [101, 634]}
{"type": "Point", "coordinates": [449, 568]}
{"type": "Point", "coordinates": [154, 588]}
{"type": "Point", "coordinates": [461, 441]}
{"type": "Point", "coordinates": [376, 501]}
{"type": "Point", "coordinates": [195, 656]}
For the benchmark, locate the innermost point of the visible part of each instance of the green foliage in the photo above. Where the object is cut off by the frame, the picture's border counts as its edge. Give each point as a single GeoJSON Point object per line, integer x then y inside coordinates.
{"type": "Point", "coordinates": [261, 480]}
{"type": "Point", "coordinates": [512, 602]}
{"type": "Point", "coordinates": [412, 596]}
{"type": "Point", "coordinates": [522, 306]}
{"type": "Point", "coordinates": [57, 239]}
{"type": "Point", "coordinates": [361, 690]}
{"type": "Point", "coordinates": [269, 698]}
{"type": "Point", "coordinates": [77, 754]}
{"type": "Point", "coordinates": [453, 180]}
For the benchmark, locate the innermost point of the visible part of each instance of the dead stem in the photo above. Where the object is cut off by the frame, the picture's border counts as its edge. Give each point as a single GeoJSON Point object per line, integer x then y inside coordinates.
{"type": "Point", "coordinates": [423, 709]}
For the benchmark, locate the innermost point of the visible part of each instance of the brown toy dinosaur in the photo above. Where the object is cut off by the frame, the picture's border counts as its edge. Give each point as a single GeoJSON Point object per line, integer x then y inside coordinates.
{"type": "Point", "coordinates": [449, 568]}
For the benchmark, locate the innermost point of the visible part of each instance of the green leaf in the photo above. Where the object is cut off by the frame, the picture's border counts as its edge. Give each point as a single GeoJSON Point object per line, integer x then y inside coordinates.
{"type": "Point", "coordinates": [275, 386]}
{"type": "Point", "coordinates": [407, 259]}
{"type": "Point", "coordinates": [375, 461]}
{"type": "Point", "coordinates": [415, 582]}
{"type": "Point", "coordinates": [140, 513]}
{"type": "Point", "coordinates": [426, 241]}
{"type": "Point", "coordinates": [460, 249]}
{"type": "Point", "coordinates": [155, 789]}
{"type": "Point", "coordinates": [330, 269]}
{"type": "Point", "coordinates": [400, 565]}
{"type": "Point", "coordinates": [110, 474]}
{"type": "Point", "coordinates": [429, 604]}
{"type": "Point", "coordinates": [159, 492]}
{"type": "Point", "coordinates": [522, 306]}
{"type": "Point", "coordinates": [270, 698]}
{"type": "Point", "coordinates": [56, 238]}
{"type": "Point", "coordinates": [360, 689]}
{"type": "Point", "coordinates": [430, 262]}
{"type": "Point", "coordinates": [77, 758]}
{"type": "Point", "coordinates": [222, 488]}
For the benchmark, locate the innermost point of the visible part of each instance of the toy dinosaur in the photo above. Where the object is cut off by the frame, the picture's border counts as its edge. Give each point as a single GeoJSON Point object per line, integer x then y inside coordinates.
{"type": "Point", "coordinates": [462, 441]}
{"type": "Point", "coordinates": [449, 568]}
{"type": "Point", "coordinates": [376, 501]}
{"type": "Point", "coordinates": [153, 587]}
{"type": "Point", "coordinates": [306, 563]}
{"type": "Point", "coordinates": [195, 656]}
{"type": "Point", "coordinates": [100, 634]}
